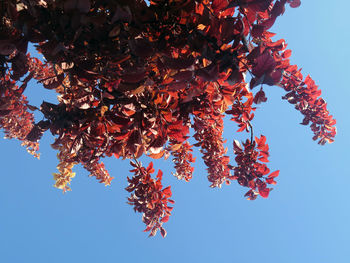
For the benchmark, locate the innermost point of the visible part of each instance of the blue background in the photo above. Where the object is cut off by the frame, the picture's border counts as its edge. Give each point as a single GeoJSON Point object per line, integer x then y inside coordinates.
{"type": "Point", "coordinates": [305, 219]}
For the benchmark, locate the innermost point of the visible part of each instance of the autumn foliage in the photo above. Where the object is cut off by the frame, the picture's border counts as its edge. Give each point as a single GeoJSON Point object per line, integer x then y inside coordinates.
{"type": "Point", "coordinates": [133, 78]}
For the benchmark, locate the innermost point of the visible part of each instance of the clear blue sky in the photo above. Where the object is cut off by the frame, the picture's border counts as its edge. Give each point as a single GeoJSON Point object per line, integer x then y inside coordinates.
{"type": "Point", "coordinates": [305, 219]}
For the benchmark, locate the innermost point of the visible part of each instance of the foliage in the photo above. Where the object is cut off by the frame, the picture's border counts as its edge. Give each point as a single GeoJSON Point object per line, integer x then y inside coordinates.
{"type": "Point", "coordinates": [133, 78]}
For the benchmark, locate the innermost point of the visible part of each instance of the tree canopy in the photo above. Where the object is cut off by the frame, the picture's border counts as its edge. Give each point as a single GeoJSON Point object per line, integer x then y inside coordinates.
{"type": "Point", "coordinates": [134, 77]}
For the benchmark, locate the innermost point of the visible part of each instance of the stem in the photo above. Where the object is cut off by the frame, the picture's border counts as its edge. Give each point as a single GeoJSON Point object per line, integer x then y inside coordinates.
{"type": "Point", "coordinates": [251, 131]}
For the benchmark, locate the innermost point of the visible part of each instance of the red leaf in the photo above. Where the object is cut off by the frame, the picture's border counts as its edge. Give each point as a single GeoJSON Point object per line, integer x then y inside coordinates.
{"type": "Point", "coordinates": [274, 174]}
{"type": "Point", "coordinates": [264, 159]}
{"type": "Point", "coordinates": [150, 168]}
{"type": "Point", "coordinates": [270, 181]}
{"type": "Point", "coordinates": [287, 53]}
{"type": "Point", "coordinates": [261, 142]}
{"type": "Point", "coordinates": [165, 219]}
{"type": "Point", "coordinates": [279, 44]}
{"type": "Point", "coordinates": [264, 192]}
{"type": "Point", "coordinates": [148, 228]}
{"type": "Point", "coordinates": [160, 175]}
{"type": "Point", "coordinates": [167, 192]}
{"type": "Point", "coordinates": [270, 178]}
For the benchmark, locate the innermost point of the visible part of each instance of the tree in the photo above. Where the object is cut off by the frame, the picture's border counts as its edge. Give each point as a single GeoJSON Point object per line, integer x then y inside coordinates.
{"type": "Point", "coordinates": [133, 77]}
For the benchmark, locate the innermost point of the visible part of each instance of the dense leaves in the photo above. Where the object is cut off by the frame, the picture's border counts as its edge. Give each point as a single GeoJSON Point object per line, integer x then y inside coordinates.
{"type": "Point", "coordinates": [149, 197]}
{"type": "Point", "coordinates": [133, 78]}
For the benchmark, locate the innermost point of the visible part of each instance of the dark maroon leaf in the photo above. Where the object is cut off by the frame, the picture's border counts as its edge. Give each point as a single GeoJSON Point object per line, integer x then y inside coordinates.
{"type": "Point", "coordinates": [294, 3]}
{"type": "Point", "coordinates": [6, 47]}
{"type": "Point", "coordinates": [163, 232]}
{"type": "Point", "coordinates": [278, 8]}
{"type": "Point", "coordinates": [273, 78]}
{"type": "Point", "coordinates": [178, 63]}
{"type": "Point", "coordinates": [260, 97]}
{"type": "Point", "coordinates": [257, 30]}
{"type": "Point", "coordinates": [141, 47]}
{"type": "Point", "coordinates": [264, 64]}
{"type": "Point", "coordinates": [53, 82]}
{"type": "Point", "coordinates": [228, 27]}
